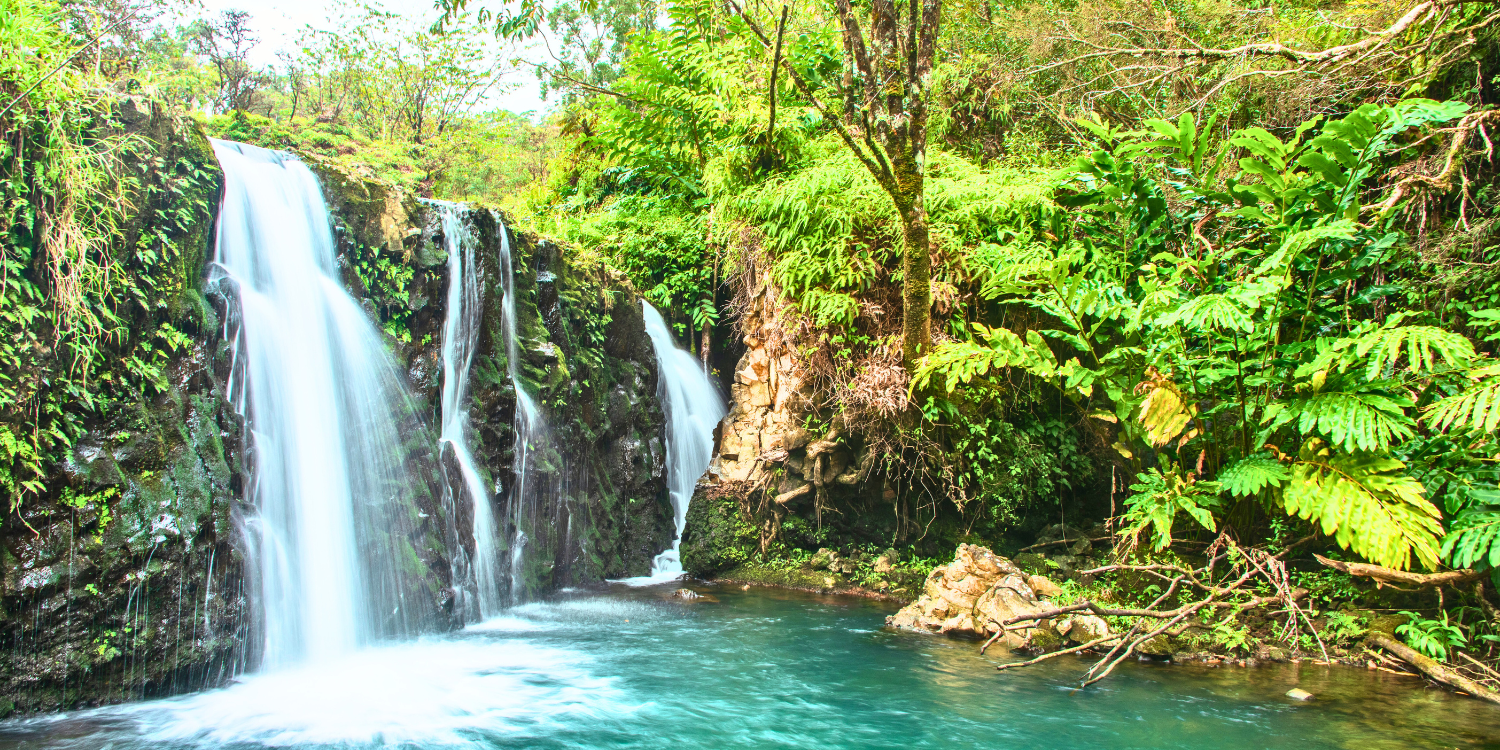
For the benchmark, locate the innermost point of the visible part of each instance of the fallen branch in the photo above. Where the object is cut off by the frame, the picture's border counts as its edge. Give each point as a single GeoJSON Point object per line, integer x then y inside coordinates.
{"type": "Point", "coordinates": [1064, 541]}
{"type": "Point", "coordinates": [1392, 576]}
{"type": "Point", "coordinates": [1433, 669]}
{"type": "Point", "coordinates": [1052, 654]}
{"type": "Point", "coordinates": [1493, 675]}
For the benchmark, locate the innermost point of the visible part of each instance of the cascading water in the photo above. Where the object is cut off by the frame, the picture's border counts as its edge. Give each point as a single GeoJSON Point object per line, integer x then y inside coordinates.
{"type": "Point", "coordinates": [460, 337]}
{"type": "Point", "coordinates": [323, 400]}
{"type": "Point", "coordinates": [530, 428]}
{"type": "Point", "coordinates": [693, 408]}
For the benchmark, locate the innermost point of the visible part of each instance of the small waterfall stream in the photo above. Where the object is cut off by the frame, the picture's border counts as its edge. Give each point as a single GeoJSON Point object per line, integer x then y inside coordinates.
{"type": "Point", "coordinates": [530, 427]}
{"type": "Point", "coordinates": [693, 408]}
{"type": "Point", "coordinates": [323, 401]}
{"type": "Point", "coordinates": [460, 337]}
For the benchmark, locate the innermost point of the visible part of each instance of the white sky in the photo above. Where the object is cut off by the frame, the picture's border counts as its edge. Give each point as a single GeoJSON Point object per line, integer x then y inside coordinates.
{"type": "Point", "coordinates": [278, 23]}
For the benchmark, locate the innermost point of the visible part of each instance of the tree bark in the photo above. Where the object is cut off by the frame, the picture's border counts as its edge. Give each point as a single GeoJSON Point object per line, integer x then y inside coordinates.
{"type": "Point", "coordinates": [916, 288]}
{"type": "Point", "coordinates": [705, 346]}
{"type": "Point", "coordinates": [884, 124]}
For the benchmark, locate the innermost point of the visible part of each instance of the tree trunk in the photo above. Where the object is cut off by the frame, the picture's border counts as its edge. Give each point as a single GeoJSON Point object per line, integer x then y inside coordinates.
{"type": "Point", "coordinates": [705, 346]}
{"type": "Point", "coordinates": [916, 288]}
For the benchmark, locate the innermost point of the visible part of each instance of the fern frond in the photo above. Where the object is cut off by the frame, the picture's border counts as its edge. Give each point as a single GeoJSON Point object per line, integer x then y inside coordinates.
{"type": "Point", "coordinates": [1165, 413]}
{"type": "Point", "coordinates": [1248, 476]}
{"type": "Point", "coordinates": [1211, 312]}
{"type": "Point", "coordinates": [962, 362]}
{"type": "Point", "coordinates": [1475, 539]}
{"type": "Point", "coordinates": [1367, 503]}
{"type": "Point", "coordinates": [1352, 421]}
{"type": "Point", "coordinates": [1423, 345]}
{"type": "Point", "coordinates": [1477, 408]}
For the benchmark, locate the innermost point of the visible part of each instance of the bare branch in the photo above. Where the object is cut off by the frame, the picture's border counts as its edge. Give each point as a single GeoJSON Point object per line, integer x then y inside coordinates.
{"type": "Point", "coordinates": [1390, 575]}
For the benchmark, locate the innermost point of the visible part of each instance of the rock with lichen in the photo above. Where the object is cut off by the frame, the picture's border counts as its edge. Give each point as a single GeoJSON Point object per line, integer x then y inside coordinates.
{"type": "Point", "coordinates": [979, 591]}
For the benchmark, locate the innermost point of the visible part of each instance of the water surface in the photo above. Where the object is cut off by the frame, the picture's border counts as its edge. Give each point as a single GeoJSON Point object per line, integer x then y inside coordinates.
{"type": "Point", "coordinates": [629, 668]}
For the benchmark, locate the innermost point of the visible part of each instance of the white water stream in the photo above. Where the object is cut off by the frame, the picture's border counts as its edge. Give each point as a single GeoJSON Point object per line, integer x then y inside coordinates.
{"type": "Point", "coordinates": [693, 408]}
{"type": "Point", "coordinates": [460, 338]}
{"type": "Point", "coordinates": [322, 398]}
{"type": "Point", "coordinates": [530, 428]}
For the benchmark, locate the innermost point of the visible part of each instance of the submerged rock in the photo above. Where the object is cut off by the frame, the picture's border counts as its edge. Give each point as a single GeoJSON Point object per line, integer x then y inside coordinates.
{"type": "Point", "coordinates": [979, 591]}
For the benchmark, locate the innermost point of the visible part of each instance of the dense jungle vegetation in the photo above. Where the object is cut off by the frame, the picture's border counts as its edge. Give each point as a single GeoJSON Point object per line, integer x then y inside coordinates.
{"type": "Point", "coordinates": [1178, 268]}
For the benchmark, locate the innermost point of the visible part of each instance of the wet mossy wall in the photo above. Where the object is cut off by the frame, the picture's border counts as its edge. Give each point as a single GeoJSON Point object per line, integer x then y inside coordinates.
{"type": "Point", "coordinates": [126, 577]}
{"type": "Point", "coordinates": [122, 576]}
{"type": "Point", "coordinates": [596, 506]}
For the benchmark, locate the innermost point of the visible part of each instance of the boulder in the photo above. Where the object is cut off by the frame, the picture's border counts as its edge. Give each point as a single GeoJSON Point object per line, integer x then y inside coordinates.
{"type": "Point", "coordinates": [976, 592]}
{"type": "Point", "coordinates": [1043, 587]}
{"type": "Point", "coordinates": [1085, 628]}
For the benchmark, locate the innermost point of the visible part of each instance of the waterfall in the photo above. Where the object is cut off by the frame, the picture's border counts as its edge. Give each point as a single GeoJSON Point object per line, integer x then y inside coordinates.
{"type": "Point", "coordinates": [330, 493]}
{"type": "Point", "coordinates": [460, 337]}
{"type": "Point", "coordinates": [530, 428]}
{"type": "Point", "coordinates": [693, 408]}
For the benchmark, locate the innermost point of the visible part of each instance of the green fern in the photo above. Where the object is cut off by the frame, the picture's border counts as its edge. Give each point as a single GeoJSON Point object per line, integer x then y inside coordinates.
{"type": "Point", "coordinates": [1211, 312]}
{"type": "Point", "coordinates": [1474, 539]}
{"type": "Point", "coordinates": [963, 362]}
{"type": "Point", "coordinates": [1477, 408]}
{"type": "Point", "coordinates": [1158, 496]}
{"type": "Point", "coordinates": [1352, 421]}
{"type": "Point", "coordinates": [1423, 346]}
{"type": "Point", "coordinates": [1250, 475]}
{"type": "Point", "coordinates": [1367, 503]}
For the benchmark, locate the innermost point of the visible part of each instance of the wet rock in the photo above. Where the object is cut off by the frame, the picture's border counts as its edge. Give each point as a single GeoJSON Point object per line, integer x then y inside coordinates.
{"type": "Point", "coordinates": [1298, 694]}
{"type": "Point", "coordinates": [686, 594]}
{"type": "Point", "coordinates": [1158, 646]}
{"type": "Point", "coordinates": [1065, 565]}
{"type": "Point", "coordinates": [1060, 531]}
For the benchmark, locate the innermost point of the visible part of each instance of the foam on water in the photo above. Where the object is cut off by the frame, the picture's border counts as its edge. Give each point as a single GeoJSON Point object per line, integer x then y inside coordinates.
{"type": "Point", "coordinates": [430, 692]}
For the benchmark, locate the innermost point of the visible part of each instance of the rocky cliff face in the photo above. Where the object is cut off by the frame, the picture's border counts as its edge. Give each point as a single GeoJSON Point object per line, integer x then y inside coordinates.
{"type": "Point", "coordinates": [125, 577]}
{"type": "Point", "coordinates": [598, 506]}
{"type": "Point", "coordinates": [774, 477]}
{"type": "Point", "coordinates": [121, 575]}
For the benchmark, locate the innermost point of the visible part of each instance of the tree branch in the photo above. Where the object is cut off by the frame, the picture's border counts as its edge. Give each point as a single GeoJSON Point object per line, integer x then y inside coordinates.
{"type": "Point", "coordinates": [1393, 576]}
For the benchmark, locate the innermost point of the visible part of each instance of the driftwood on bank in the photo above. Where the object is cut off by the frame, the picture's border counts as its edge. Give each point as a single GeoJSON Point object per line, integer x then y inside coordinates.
{"type": "Point", "coordinates": [1433, 669]}
{"type": "Point", "coordinates": [1225, 582]}
{"type": "Point", "coordinates": [1392, 576]}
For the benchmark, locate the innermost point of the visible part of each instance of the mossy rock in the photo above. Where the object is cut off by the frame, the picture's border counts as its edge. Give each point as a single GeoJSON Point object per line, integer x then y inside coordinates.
{"type": "Point", "coordinates": [717, 536]}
